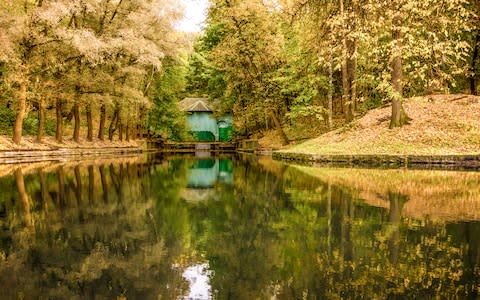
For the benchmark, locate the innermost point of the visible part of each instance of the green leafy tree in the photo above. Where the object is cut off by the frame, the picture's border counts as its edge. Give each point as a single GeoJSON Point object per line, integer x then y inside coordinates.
{"type": "Point", "coordinates": [166, 118]}
{"type": "Point", "coordinates": [248, 55]}
{"type": "Point", "coordinates": [425, 52]}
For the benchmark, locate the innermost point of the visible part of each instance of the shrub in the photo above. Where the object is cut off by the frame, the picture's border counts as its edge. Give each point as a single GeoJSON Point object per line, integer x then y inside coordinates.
{"type": "Point", "coordinates": [30, 124]}
{"type": "Point", "coordinates": [7, 120]}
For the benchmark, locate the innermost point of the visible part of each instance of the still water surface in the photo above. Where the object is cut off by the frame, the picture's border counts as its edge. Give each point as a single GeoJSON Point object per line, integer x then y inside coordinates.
{"type": "Point", "coordinates": [236, 228]}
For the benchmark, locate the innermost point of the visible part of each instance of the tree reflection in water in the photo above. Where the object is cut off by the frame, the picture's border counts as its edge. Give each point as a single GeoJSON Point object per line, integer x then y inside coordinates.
{"type": "Point", "coordinates": [133, 227]}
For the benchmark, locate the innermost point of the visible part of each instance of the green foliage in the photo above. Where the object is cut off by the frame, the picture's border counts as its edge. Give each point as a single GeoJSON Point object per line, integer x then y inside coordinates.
{"type": "Point", "coordinates": [262, 63]}
{"type": "Point", "coordinates": [165, 118]}
{"type": "Point", "coordinates": [291, 61]}
{"type": "Point", "coordinates": [7, 119]}
{"type": "Point", "coordinates": [371, 96]}
{"type": "Point", "coordinates": [198, 75]}
{"type": "Point", "coordinates": [203, 79]}
{"type": "Point", "coordinates": [95, 52]}
{"type": "Point", "coordinates": [30, 125]}
{"type": "Point", "coordinates": [302, 111]}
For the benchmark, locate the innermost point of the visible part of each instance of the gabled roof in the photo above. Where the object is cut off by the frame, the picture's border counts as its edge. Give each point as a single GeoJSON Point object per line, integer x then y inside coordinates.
{"type": "Point", "coordinates": [196, 104]}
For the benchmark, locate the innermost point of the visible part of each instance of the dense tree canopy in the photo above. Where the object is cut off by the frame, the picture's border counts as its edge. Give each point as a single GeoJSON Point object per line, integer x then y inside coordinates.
{"type": "Point", "coordinates": [282, 61]}
{"type": "Point", "coordinates": [97, 55]}
{"type": "Point", "coordinates": [274, 64]}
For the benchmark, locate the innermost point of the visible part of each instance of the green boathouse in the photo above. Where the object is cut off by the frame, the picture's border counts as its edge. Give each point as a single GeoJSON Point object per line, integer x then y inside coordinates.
{"type": "Point", "coordinates": [205, 122]}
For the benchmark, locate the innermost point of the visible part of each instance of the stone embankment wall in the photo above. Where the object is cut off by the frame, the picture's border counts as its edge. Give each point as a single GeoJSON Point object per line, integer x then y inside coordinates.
{"type": "Point", "coordinates": [397, 161]}
{"type": "Point", "coordinates": [63, 154]}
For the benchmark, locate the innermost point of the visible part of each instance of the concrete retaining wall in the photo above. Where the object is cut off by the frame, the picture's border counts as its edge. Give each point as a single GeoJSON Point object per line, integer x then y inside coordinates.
{"type": "Point", "coordinates": [390, 161]}
{"type": "Point", "coordinates": [63, 154]}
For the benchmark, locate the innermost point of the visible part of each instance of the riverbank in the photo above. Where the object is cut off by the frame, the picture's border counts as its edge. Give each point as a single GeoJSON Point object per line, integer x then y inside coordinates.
{"type": "Point", "coordinates": [444, 131]}
{"type": "Point", "coordinates": [50, 150]}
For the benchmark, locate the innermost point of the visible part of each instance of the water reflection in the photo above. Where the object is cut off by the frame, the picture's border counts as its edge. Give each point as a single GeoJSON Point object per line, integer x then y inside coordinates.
{"type": "Point", "coordinates": [243, 228]}
{"type": "Point", "coordinates": [203, 175]}
{"type": "Point", "coordinates": [197, 277]}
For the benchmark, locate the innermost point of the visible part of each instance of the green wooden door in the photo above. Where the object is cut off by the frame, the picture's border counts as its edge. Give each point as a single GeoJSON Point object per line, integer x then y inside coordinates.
{"type": "Point", "coordinates": [224, 131]}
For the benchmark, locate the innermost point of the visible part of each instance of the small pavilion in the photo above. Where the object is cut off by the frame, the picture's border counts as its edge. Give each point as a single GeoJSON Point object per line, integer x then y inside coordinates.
{"type": "Point", "coordinates": [205, 123]}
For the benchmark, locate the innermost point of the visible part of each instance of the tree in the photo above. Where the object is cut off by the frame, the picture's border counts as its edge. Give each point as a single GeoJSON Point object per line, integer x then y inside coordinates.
{"type": "Point", "coordinates": [425, 53]}
{"type": "Point", "coordinates": [26, 38]}
{"type": "Point", "coordinates": [475, 41]}
{"type": "Point", "coordinates": [247, 53]}
{"type": "Point", "coordinates": [71, 43]}
{"type": "Point", "coordinates": [165, 117]}
{"type": "Point", "coordinates": [127, 52]}
{"type": "Point", "coordinates": [422, 54]}
{"type": "Point", "coordinates": [349, 17]}
{"type": "Point", "coordinates": [398, 117]}
{"type": "Point", "coordinates": [314, 34]}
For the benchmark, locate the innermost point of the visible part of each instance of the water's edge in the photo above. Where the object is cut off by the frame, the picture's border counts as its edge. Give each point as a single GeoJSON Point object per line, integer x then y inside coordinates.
{"type": "Point", "coordinates": [64, 154]}
{"type": "Point", "coordinates": [456, 162]}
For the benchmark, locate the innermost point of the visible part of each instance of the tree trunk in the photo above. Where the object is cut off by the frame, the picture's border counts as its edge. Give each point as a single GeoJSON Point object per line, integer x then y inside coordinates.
{"type": "Point", "coordinates": [61, 188]}
{"type": "Point", "coordinates": [346, 89]}
{"type": "Point", "coordinates": [91, 184]}
{"type": "Point", "coordinates": [22, 106]}
{"type": "Point", "coordinates": [330, 95]}
{"type": "Point", "coordinates": [399, 117]}
{"type": "Point", "coordinates": [41, 120]}
{"type": "Point", "coordinates": [140, 129]}
{"type": "Point", "coordinates": [23, 197]}
{"type": "Point", "coordinates": [120, 127]}
{"type": "Point", "coordinates": [101, 126]}
{"type": "Point", "coordinates": [353, 77]}
{"type": "Point", "coordinates": [89, 122]}
{"type": "Point", "coordinates": [43, 189]}
{"type": "Point", "coordinates": [103, 180]}
{"type": "Point", "coordinates": [127, 133]}
{"type": "Point", "coordinates": [350, 79]}
{"type": "Point", "coordinates": [133, 135]}
{"type": "Point", "coordinates": [397, 202]}
{"type": "Point", "coordinates": [113, 125]}
{"type": "Point", "coordinates": [348, 72]}
{"type": "Point", "coordinates": [76, 128]}
{"type": "Point", "coordinates": [473, 76]}
{"type": "Point", "coordinates": [59, 129]}
{"type": "Point", "coordinates": [120, 132]}
{"type": "Point", "coordinates": [280, 129]}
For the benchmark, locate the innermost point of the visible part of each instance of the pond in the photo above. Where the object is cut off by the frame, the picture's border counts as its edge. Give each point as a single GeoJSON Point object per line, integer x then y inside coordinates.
{"type": "Point", "coordinates": [157, 227]}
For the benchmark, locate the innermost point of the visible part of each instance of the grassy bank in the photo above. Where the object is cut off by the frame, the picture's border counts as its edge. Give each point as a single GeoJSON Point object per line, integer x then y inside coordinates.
{"type": "Point", "coordinates": [441, 125]}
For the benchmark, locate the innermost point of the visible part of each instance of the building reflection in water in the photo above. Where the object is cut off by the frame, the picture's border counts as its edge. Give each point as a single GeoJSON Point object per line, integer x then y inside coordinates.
{"type": "Point", "coordinates": [204, 175]}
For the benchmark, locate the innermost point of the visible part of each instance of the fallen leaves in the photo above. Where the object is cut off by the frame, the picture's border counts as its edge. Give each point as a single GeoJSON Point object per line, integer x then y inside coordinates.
{"type": "Point", "coordinates": [442, 124]}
